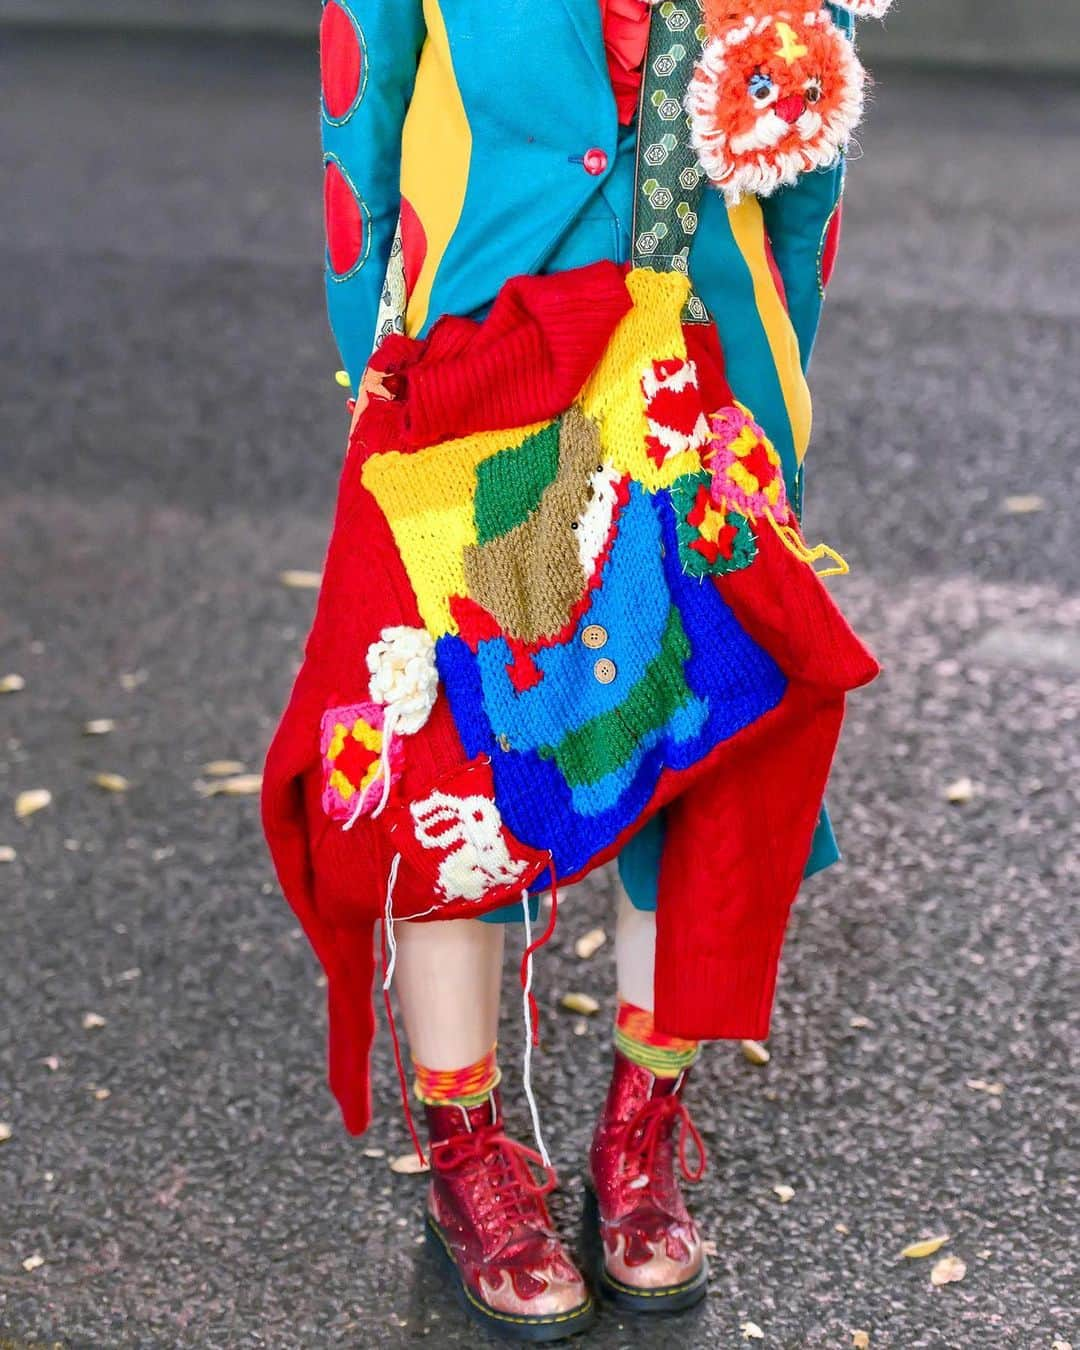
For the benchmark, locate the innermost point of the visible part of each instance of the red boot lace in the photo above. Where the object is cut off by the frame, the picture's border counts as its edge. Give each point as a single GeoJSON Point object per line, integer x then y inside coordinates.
{"type": "Point", "coordinates": [506, 1170]}
{"type": "Point", "coordinates": [645, 1131]}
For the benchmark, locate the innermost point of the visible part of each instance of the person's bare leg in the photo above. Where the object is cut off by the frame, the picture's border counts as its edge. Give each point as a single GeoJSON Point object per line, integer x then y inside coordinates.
{"type": "Point", "coordinates": [635, 952]}
{"type": "Point", "coordinates": [448, 978]}
{"type": "Point", "coordinates": [485, 1207]}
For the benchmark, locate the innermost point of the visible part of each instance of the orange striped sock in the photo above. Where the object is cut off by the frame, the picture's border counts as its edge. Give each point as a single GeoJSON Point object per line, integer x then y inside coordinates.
{"type": "Point", "coordinates": [637, 1038]}
{"type": "Point", "coordinates": [458, 1087]}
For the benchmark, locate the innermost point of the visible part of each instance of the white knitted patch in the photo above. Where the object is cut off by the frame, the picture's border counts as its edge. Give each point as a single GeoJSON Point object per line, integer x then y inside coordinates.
{"type": "Point", "coordinates": [469, 831]}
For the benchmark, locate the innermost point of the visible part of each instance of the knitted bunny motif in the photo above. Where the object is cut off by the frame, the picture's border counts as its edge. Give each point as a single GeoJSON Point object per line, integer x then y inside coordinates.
{"type": "Point", "coordinates": [778, 92]}
{"type": "Point", "coordinates": [468, 832]}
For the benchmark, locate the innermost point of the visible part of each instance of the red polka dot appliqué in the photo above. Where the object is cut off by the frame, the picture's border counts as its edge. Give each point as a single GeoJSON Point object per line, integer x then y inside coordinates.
{"type": "Point", "coordinates": [830, 246]}
{"type": "Point", "coordinates": [342, 60]}
{"type": "Point", "coordinates": [346, 222]}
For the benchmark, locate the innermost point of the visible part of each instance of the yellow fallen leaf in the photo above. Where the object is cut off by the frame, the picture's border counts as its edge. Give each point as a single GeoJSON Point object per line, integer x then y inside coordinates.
{"type": "Point", "coordinates": [925, 1246]}
{"type": "Point", "coordinates": [948, 1270]}
{"type": "Point", "coordinates": [751, 1331]}
{"type": "Point", "coordinates": [239, 785]}
{"type": "Point", "coordinates": [784, 1193]}
{"type": "Point", "coordinates": [755, 1053]}
{"type": "Point", "coordinates": [5, 1131]}
{"type": "Point", "coordinates": [342, 377]}
{"type": "Point", "coordinates": [959, 792]}
{"type": "Point", "coordinates": [91, 1021]}
{"type": "Point", "coordinates": [32, 1262]}
{"type": "Point", "coordinates": [981, 1085]}
{"type": "Point", "coordinates": [7, 853]}
{"type": "Point", "coordinates": [99, 1094]}
{"type": "Point", "coordinates": [408, 1164]}
{"type": "Point", "coordinates": [11, 684]}
{"type": "Point", "coordinates": [860, 1340]}
{"type": "Point", "coordinates": [590, 943]}
{"type": "Point", "coordinates": [580, 1003]}
{"type": "Point", "coordinates": [99, 726]}
{"type": "Point", "coordinates": [299, 580]}
{"type": "Point", "coordinates": [1023, 504]}
{"type": "Point", "coordinates": [31, 801]}
{"type": "Point", "coordinates": [224, 768]}
{"type": "Point", "coordinates": [842, 1228]}
{"type": "Point", "coordinates": [111, 782]}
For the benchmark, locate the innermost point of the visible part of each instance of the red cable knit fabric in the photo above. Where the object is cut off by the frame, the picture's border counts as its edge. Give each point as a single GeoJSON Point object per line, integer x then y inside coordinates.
{"type": "Point", "coordinates": [740, 821]}
{"type": "Point", "coordinates": [626, 38]}
{"type": "Point", "coordinates": [523, 363]}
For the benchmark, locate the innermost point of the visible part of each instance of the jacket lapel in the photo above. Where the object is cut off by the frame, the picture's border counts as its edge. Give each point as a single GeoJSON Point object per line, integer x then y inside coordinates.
{"type": "Point", "coordinates": [585, 16]}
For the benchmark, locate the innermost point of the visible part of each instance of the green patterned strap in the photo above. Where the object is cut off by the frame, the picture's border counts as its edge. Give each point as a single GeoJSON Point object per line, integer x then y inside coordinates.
{"type": "Point", "coordinates": [669, 180]}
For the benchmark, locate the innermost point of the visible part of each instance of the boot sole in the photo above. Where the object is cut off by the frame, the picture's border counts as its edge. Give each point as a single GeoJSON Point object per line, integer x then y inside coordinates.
{"type": "Point", "coordinates": [508, 1326]}
{"type": "Point", "coordinates": [664, 1302]}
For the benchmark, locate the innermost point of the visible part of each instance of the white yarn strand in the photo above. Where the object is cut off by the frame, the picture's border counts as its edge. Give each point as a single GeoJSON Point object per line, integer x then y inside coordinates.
{"type": "Point", "coordinates": [388, 921]}
{"type": "Point", "coordinates": [389, 724]}
{"type": "Point", "coordinates": [389, 720]}
{"type": "Point", "coordinates": [526, 1073]}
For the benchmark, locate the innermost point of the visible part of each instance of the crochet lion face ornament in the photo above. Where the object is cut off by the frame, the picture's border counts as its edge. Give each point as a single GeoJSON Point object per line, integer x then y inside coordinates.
{"type": "Point", "coordinates": [778, 92]}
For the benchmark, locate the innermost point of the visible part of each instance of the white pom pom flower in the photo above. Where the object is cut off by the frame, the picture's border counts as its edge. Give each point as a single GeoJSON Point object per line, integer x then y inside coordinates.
{"type": "Point", "coordinates": [403, 675]}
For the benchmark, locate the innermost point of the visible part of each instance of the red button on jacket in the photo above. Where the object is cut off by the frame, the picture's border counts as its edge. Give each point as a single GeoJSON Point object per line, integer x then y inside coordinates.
{"type": "Point", "coordinates": [595, 160]}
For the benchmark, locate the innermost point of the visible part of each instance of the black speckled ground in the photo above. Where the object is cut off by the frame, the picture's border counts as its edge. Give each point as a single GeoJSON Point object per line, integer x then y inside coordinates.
{"type": "Point", "coordinates": [170, 442]}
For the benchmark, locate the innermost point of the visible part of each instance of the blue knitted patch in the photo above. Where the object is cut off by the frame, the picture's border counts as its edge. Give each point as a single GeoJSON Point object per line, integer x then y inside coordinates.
{"type": "Point", "coordinates": [730, 683]}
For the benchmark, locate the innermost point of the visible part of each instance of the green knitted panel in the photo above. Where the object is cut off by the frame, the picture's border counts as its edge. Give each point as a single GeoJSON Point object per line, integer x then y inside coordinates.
{"type": "Point", "coordinates": [509, 485]}
{"type": "Point", "coordinates": [608, 741]}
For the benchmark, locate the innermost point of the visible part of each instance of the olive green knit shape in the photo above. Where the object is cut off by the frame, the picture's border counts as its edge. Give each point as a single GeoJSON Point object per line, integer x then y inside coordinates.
{"type": "Point", "coordinates": [607, 742]}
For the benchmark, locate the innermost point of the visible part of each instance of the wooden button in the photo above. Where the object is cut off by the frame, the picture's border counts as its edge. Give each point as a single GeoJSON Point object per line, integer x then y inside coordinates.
{"type": "Point", "coordinates": [604, 670]}
{"type": "Point", "coordinates": [594, 635]}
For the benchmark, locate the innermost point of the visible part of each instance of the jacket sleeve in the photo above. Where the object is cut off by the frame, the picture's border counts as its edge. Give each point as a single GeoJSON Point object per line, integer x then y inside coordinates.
{"type": "Point", "coordinates": [369, 50]}
{"type": "Point", "coordinates": [803, 225]}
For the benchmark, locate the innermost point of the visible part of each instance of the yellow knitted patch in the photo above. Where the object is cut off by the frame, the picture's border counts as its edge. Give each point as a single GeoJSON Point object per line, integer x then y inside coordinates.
{"type": "Point", "coordinates": [367, 736]}
{"type": "Point", "coordinates": [427, 497]}
{"type": "Point", "coordinates": [651, 331]}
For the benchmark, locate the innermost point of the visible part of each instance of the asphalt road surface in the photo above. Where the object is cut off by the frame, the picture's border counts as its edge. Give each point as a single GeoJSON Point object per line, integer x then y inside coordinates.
{"type": "Point", "coordinates": [171, 434]}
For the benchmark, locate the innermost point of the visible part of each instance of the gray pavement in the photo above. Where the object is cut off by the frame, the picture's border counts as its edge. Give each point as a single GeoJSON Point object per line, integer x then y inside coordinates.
{"type": "Point", "coordinates": [170, 442]}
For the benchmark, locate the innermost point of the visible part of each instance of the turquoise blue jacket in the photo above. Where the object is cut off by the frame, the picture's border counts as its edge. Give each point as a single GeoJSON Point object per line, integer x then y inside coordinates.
{"type": "Point", "coordinates": [467, 141]}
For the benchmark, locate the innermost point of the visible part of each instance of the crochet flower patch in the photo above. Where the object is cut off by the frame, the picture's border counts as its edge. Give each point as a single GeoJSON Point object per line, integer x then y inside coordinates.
{"type": "Point", "coordinates": [777, 93]}
{"type": "Point", "coordinates": [712, 539]}
{"type": "Point", "coordinates": [403, 676]}
{"type": "Point", "coordinates": [747, 474]}
{"type": "Point", "coordinates": [351, 744]}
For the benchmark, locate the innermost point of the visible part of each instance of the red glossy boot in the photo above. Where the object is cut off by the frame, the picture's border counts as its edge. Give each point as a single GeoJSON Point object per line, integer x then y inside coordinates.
{"type": "Point", "coordinates": [646, 1247]}
{"type": "Point", "coordinates": [488, 1222]}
